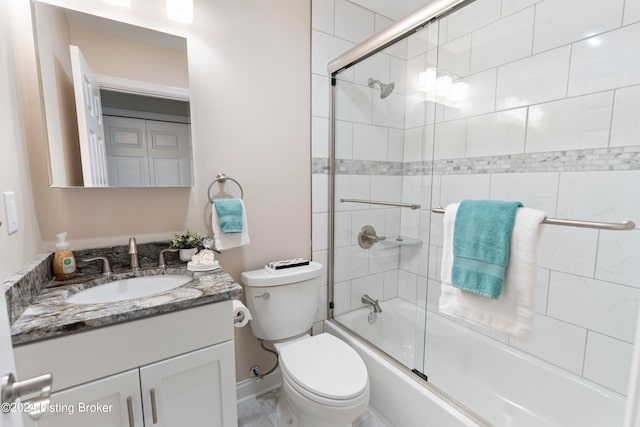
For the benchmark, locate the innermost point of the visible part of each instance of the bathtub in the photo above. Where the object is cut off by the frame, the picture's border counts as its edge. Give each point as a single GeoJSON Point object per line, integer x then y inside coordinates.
{"type": "Point", "coordinates": [504, 386]}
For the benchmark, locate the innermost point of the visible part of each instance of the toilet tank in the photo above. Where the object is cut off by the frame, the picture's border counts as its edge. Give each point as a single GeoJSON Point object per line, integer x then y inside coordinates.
{"type": "Point", "coordinates": [283, 304]}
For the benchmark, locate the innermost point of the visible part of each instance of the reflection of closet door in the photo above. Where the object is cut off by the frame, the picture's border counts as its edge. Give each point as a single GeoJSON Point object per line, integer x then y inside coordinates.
{"type": "Point", "coordinates": [126, 151]}
{"type": "Point", "coordinates": [169, 148]}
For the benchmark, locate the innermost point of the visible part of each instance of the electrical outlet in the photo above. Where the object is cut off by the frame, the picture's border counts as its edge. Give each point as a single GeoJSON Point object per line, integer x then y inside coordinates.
{"type": "Point", "coordinates": [11, 210]}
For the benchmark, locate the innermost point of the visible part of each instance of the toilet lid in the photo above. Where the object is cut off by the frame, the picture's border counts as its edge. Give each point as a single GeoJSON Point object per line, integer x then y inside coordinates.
{"type": "Point", "coordinates": [325, 366]}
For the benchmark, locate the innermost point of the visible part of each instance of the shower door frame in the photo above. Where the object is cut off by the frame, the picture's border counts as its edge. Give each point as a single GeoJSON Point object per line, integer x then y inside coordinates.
{"type": "Point", "coordinates": [416, 21]}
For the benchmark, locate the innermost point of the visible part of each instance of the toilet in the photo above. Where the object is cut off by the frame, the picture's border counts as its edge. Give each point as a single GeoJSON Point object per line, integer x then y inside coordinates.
{"type": "Point", "coordinates": [324, 381]}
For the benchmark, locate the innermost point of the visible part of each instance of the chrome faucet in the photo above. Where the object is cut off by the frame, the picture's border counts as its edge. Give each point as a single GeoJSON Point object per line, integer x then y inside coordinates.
{"type": "Point", "coordinates": [366, 299]}
{"type": "Point", "coordinates": [133, 254]}
{"type": "Point", "coordinates": [106, 267]}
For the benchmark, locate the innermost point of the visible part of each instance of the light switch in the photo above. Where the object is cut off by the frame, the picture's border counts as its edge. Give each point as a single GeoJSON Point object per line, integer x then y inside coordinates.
{"type": "Point", "coordinates": [11, 210]}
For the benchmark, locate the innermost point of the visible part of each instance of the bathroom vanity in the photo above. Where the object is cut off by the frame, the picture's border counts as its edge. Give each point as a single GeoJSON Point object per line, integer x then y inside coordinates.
{"type": "Point", "coordinates": [162, 360]}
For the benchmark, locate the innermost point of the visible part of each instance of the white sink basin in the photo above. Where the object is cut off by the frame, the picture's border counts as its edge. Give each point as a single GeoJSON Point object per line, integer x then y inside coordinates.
{"type": "Point", "coordinates": [120, 290]}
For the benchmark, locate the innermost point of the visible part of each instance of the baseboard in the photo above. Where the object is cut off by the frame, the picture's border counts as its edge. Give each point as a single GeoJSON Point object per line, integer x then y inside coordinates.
{"type": "Point", "coordinates": [250, 387]}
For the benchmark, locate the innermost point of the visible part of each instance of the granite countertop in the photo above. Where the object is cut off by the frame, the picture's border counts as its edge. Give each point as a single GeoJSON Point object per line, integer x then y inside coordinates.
{"type": "Point", "coordinates": [49, 315]}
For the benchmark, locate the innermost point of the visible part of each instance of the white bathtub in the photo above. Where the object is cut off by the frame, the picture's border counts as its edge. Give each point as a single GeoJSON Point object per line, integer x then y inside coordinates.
{"type": "Point", "coordinates": [502, 385]}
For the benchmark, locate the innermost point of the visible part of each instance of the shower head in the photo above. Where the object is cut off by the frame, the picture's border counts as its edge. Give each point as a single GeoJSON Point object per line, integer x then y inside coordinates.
{"type": "Point", "coordinates": [385, 88]}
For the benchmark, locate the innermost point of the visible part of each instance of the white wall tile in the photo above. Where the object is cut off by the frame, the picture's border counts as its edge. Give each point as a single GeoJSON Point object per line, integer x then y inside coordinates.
{"type": "Point", "coordinates": [319, 231]}
{"type": "Point", "coordinates": [631, 11]}
{"type": "Point", "coordinates": [557, 342]}
{"type": "Point", "coordinates": [370, 285]}
{"type": "Point", "coordinates": [407, 283]}
{"type": "Point", "coordinates": [384, 187]}
{"type": "Point", "coordinates": [352, 22]}
{"type": "Point", "coordinates": [422, 41]}
{"type": "Point", "coordinates": [321, 257]}
{"type": "Point", "coordinates": [350, 262]}
{"type": "Point", "coordinates": [512, 6]}
{"type": "Point", "coordinates": [450, 140]}
{"type": "Point", "coordinates": [376, 67]}
{"type": "Point", "coordinates": [568, 249]}
{"type": "Point", "coordinates": [324, 48]}
{"type": "Point", "coordinates": [559, 22]}
{"type": "Point", "coordinates": [322, 16]}
{"type": "Point", "coordinates": [409, 223]}
{"type": "Point", "coordinates": [343, 139]}
{"type": "Point", "coordinates": [502, 41]}
{"type": "Point", "coordinates": [382, 22]}
{"type": "Point", "coordinates": [320, 137]}
{"type": "Point", "coordinates": [599, 306]}
{"type": "Point", "coordinates": [610, 196]}
{"type": "Point", "coordinates": [353, 102]}
{"type": "Point", "coordinates": [320, 95]}
{"type": "Point", "coordinates": [453, 57]}
{"type": "Point", "coordinates": [369, 142]}
{"type": "Point", "coordinates": [607, 61]}
{"type": "Point", "coordinates": [538, 78]}
{"type": "Point", "coordinates": [497, 133]}
{"type": "Point", "coordinates": [388, 111]}
{"type": "Point", "coordinates": [535, 190]}
{"type": "Point", "coordinates": [618, 257]}
{"type": "Point", "coordinates": [410, 258]}
{"type": "Point", "coordinates": [395, 151]}
{"type": "Point", "coordinates": [342, 233]}
{"type": "Point", "coordinates": [413, 139]}
{"type": "Point", "coordinates": [625, 127]}
{"type": "Point", "coordinates": [392, 222]}
{"type": "Point", "coordinates": [481, 98]}
{"type": "Point", "coordinates": [542, 290]}
{"type": "Point", "coordinates": [570, 124]}
{"type": "Point", "coordinates": [415, 108]}
{"type": "Point", "coordinates": [398, 74]}
{"type": "Point", "coordinates": [608, 362]}
{"type": "Point", "coordinates": [383, 259]}
{"type": "Point", "coordinates": [341, 298]}
{"type": "Point", "coordinates": [319, 193]}
{"type": "Point", "coordinates": [471, 17]}
{"type": "Point", "coordinates": [421, 293]}
{"type": "Point", "coordinates": [455, 188]}
{"type": "Point", "coordinates": [351, 187]}
{"type": "Point", "coordinates": [390, 282]}
{"type": "Point", "coordinates": [412, 189]}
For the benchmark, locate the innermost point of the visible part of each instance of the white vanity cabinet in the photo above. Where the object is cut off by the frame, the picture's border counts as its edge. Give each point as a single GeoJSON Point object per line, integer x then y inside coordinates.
{"type": "Point", "coordinates": [175, 369]}
{"type": "Point", "coordinates": [104, 403]}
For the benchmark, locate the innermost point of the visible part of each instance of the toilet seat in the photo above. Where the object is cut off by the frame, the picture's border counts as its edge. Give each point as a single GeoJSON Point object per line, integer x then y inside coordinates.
{"type": "Point", "coordinates": [326, 370]}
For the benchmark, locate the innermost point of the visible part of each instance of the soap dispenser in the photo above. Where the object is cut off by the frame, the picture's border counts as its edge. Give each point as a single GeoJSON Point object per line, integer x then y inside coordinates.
{"type": "Point", "coordinates": [64, 263]}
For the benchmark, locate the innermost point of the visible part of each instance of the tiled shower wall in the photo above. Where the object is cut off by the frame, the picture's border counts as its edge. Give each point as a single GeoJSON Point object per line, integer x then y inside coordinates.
{"type": "Point", "coordinates": [553, 121]}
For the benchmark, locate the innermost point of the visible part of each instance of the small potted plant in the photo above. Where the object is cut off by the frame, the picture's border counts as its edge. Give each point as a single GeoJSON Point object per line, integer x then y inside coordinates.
{"type": "Point", "coordinates": [188, 243]}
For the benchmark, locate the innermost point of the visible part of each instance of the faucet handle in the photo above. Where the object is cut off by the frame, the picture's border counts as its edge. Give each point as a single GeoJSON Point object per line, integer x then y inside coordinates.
{"type": "Point", "coordinates": [133, 248]}
{"type": "Point", "coordinates": [161, 263]}
{"type": "Point", "coordinates": [106, 267]}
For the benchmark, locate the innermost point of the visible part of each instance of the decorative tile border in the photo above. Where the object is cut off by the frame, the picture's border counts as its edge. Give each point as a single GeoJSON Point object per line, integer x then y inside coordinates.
{"type": "Point", "coordinates": [597, 159]}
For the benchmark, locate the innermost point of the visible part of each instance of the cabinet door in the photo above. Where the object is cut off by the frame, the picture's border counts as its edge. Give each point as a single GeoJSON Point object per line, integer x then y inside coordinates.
{"type": "Point", "coordinates": [193, 390]}
{"type": "Point", "coordinates": [102, 403]}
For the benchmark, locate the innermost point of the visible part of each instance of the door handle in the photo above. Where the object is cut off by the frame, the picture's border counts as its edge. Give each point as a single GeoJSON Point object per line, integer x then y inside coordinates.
{"type": "Point", "coordinates": [38, 388]}
{"type": "Point", "coordinates": [130, 411]}
{"type": "Point", "coordinates": [154, 407]}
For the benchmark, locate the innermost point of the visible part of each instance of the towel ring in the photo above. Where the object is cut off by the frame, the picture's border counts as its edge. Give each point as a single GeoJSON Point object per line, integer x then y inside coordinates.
{"type": "Point", "coordinates": [222, 178]}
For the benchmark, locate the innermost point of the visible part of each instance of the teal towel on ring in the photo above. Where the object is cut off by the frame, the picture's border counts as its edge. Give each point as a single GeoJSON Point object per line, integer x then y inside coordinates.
{"type": "Point", "coordinates": [481, 236]}
{"type": "Point", "coordinates": [229, 212]}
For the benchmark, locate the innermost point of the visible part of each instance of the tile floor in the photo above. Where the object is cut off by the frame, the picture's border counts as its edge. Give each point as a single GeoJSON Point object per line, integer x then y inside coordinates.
{"type": "Point", "coordinates": [261, 412]}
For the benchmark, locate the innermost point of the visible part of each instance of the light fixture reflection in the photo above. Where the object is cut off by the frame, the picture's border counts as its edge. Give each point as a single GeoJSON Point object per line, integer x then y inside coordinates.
{"type": "Point", "coordinates": [446, 89]}
{"type": "Point", "coordinates": [180, 10]}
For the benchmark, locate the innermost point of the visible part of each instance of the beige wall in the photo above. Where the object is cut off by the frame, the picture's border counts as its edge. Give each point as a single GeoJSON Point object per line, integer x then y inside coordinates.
{"type": "Point", "coordinates": [18, 248]}
{"type": "Point", "coordinates": [249, 75]}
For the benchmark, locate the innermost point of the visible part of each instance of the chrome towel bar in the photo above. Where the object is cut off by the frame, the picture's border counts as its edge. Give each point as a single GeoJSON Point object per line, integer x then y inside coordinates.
{"type": "Point", "coordinates": [375, 202]}
{"type": "Point", "coordinates": [613, 226]}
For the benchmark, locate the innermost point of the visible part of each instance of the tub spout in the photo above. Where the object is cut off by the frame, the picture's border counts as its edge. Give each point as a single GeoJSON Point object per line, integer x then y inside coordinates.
{"type": "Point", "coordinates": [366, 299]}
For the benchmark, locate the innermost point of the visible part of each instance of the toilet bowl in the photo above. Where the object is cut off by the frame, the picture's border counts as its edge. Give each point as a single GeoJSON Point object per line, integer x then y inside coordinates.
{"type": "Point", "coordinates": [324, 381]}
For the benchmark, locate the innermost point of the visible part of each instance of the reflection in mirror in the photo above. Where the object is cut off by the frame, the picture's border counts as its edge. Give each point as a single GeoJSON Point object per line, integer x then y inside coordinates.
{"type": "Point", "coordinates": [116, 101]}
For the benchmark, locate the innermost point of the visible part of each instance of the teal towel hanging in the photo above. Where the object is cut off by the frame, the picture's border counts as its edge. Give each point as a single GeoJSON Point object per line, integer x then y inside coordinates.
{"type": "Point", "coordinates": [481, 236]}
{"type": "Point", "coordinates": [229, 212]}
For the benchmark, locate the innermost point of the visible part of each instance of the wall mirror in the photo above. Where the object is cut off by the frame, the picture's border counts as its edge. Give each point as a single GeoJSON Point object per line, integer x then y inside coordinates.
{"type": "Point", "coordinates": [116, 101]}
